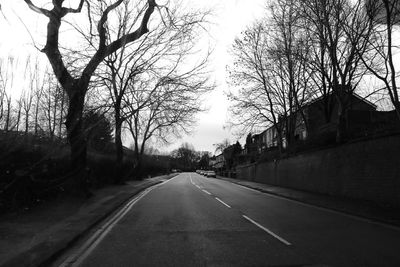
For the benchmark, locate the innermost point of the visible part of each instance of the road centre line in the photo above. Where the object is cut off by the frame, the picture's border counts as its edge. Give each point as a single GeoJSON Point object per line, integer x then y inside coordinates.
{"type": "Point", "coordinates": [338, 212]}
{"type": "Point", "coordinates": [84, 251]}
{"type": "Point", "coordinates": [222, 202]}
{"type": "Point", "coordinates": [205, 191]}
{"type": "Point", "coordinates": [268, 231]}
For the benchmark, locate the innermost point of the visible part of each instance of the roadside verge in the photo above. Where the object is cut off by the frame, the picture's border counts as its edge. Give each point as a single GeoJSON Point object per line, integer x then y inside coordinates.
{"type": "Point", "coordinates": [37, 237]}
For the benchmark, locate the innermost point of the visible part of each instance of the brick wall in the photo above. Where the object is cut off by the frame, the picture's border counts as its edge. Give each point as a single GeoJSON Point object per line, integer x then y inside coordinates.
{"type": "Point", "coordinates": [368, 170]}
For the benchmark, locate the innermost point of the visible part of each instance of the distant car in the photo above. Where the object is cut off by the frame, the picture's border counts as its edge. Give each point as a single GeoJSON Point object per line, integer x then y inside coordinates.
{"type": "Point", "coordinates": [211, 174]}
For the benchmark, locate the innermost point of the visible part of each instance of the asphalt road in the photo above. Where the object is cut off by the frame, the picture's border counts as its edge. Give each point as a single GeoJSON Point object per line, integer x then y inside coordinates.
{"type": "Point", "coordinates": [195, 221]}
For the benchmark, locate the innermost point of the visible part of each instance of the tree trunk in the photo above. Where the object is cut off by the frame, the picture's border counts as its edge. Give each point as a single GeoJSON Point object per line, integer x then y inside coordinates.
{"type": "Point", "coordinates": [77, 139]}
{"type": "Point", "coordinates": [138, 161]}
{"type": "Point", "coordinates": [26, 122]}
{"type": "Point", "coordinates": [7, 125]}
{"type": "Point", "coordinates": [37, 117]}
{"type": "Point", "coordinates": [18, 120]}
{"type": "Point", "coordinates": [341, 127]}
{"type": "Point", "coordinates": [397, 108]}
{"type": "Point", "coordinates": [138, 168]}
{"type": "Point", "coordinates": [118, 146]}
{"type": "Point", "coordinates": [61, 114]}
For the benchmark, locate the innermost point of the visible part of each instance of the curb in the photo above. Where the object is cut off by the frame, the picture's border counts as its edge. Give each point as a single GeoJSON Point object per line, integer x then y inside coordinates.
{"type": "Point", "coordinates": [44, 253]}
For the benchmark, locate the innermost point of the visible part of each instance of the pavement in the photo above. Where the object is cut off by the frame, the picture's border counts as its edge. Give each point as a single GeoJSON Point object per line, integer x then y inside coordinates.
{"type": "Point", "coordinates": [191, 220]}
{"type": "Point", "coordinates": [364, 209]}
{"type": "Point", "coordinates": [37, 236]}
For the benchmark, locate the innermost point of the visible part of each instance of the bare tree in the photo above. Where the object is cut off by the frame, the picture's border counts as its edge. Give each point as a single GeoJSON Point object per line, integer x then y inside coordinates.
{"type": "Point", "coordinates": [7, 72]}
{"type": "Point", "coordinates": [383, 15]}
{"type": "Point", "coordinates": [38, 93]}
{"type": "Point", "coordinates": [290, 49]}
{"type": "Point", "coordinates": [253, 105]}
{"type": "Point", "coordinates": [185, 157]}
{"type": "Point", "coordinates": [222, 146]}
{"type": "Point", "coordinates": [76, 87]}
{"type": "Point", "coordinates": [271, 68]}
{"type": "Point", "coordinates": [8, 111]}
{"type": "Point", "coordinates": [170, 41]}
{"type": "Point", "coordinates": [32, 74]}
{"type": "Point", "coordinates": [2, 103]}
{"type": "Point", "coordinates": [2, 90]}
{"type": "Point", "coordinates": [165, 107]}
{"type": "Point", "coordinates": [51, 106]}
{"type": "Point", "coordinates": [340, 32]}
{"type": "Point", "coordinates": [18, 110]}
{"type": "Point", "coordinates": [27, 101]}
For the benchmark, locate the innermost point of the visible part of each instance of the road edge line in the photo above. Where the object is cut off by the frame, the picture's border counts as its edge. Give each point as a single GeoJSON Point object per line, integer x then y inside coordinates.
{"type": "Point", "coordinates": [98, 235]}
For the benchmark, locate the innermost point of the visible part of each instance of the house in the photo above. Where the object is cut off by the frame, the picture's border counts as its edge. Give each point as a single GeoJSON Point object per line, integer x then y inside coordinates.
{"type": "Point", "coordinates": [316, 119]}
{"type": "Point", "coordinates": [321, 119]}
{"type": "Point", "coordinates": [212, 162]}
{"type": "Point", "coordinates": [267, 139]}
{"type": "Point", "coordinates": [219, 163]}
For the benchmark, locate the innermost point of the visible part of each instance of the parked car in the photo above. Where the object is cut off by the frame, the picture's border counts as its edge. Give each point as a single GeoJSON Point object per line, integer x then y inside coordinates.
{"type": "Point", "coordinates": [211, 174]}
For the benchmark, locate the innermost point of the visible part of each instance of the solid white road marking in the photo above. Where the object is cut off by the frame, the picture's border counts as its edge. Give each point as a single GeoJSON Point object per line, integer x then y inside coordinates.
{"type": "Point", "coordinates": [267, 230]}
{"type": "Point", "coordinates": [205, 191]}
{"type": "Point", "coordinates": [222, 202]}
{"type": "Point", "coordinates": [83, 252]}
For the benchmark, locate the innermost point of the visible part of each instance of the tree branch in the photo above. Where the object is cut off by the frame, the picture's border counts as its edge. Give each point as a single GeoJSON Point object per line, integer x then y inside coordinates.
{"type": "Point", "coordinates": [37, 9]}
{"type": "Point", "coordinates": [66, 10]}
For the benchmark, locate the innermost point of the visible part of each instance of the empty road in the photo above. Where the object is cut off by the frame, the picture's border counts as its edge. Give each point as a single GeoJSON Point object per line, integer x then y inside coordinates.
{"type": "Point", "coordinates": [191, 220]}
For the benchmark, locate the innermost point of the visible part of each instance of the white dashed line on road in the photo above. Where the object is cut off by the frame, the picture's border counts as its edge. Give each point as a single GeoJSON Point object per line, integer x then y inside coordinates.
{"type": "Point", "coordinates": [205, 191]}
{"type": "Point", "coordinates": [267, 230]}
{"type": "Point", "coordinates": [223, 202]}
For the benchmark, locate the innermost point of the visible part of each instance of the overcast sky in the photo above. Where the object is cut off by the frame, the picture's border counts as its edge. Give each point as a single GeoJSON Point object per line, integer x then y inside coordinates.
{"type": "Point", "coordinates": [229, 18]}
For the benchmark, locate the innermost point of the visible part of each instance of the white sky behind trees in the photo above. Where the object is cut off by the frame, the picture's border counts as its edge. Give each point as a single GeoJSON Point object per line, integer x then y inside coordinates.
{"type": "Point", "coordinates": [228, 19]}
